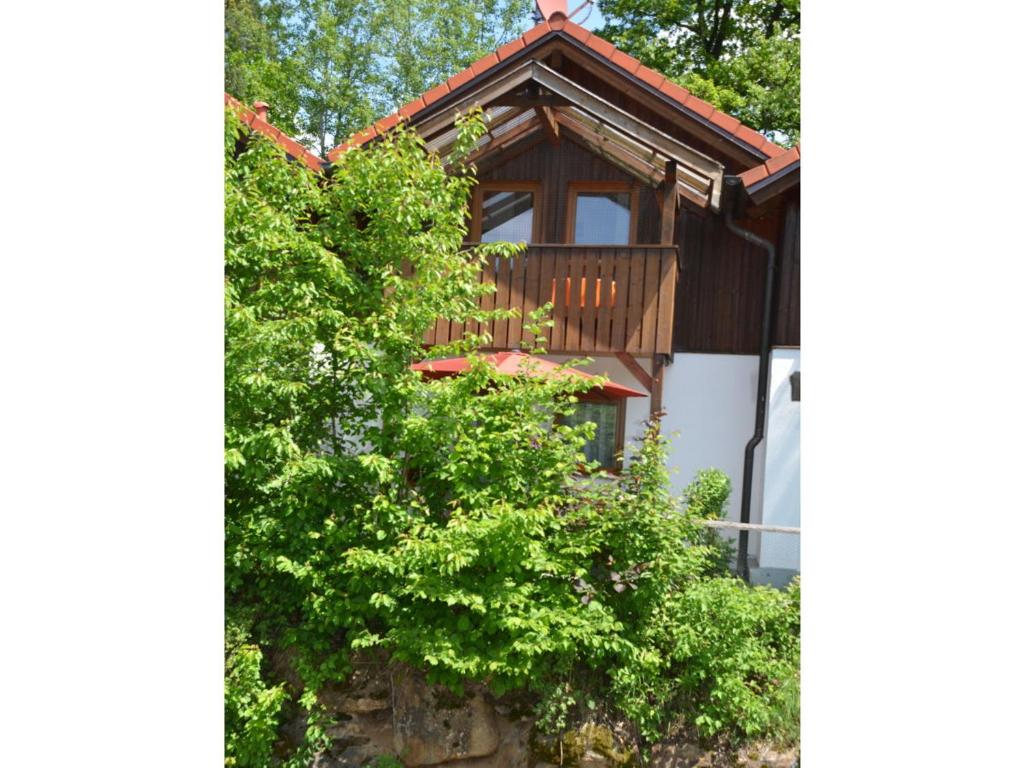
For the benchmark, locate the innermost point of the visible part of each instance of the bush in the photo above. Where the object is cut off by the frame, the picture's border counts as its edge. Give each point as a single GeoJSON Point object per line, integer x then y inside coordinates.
{"type": "Point", "coordinates": [251, 707]}
{"type": "Point", "coordinates": [736, 654]}
{"type": "Point", "coordinates": [705, 498]}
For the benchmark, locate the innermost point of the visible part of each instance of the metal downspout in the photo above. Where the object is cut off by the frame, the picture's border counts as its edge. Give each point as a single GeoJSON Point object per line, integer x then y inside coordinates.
{"type": "Point", "coordinates": [735, 195]}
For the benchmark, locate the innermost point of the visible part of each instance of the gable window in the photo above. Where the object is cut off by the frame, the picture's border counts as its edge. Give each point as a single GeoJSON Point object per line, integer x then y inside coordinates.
{"type": "Point", "coordinates": [609, 417]}
{"type": "Point", "coordinates": [506, 211]}
{"type": "Point", "coordinates": [602, 213]}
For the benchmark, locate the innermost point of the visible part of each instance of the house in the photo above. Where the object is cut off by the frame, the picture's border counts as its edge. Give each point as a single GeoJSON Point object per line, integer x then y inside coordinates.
{"type": "Point", "coordinates": [667, 236]}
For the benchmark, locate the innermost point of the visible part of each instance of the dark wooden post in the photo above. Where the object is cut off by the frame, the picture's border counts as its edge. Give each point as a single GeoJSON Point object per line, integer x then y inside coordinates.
{"type": "Point", "coordinates": [657, 380]}
{"type": "Point", "coordinates": [668, 204]}
{"type": "Point", "coordinates": [668, 236]}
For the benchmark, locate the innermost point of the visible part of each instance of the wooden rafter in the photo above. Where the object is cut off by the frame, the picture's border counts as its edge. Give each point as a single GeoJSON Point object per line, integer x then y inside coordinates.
{"type": "Point", "coordinates": [619, 156]}
{"type": "Point", "coordinates": [505, 140]}
{"type": "Point", "coordinates": [632, 126]}
{"type": "Point", "coordinates": [636, 369]}
{"type": "Point", "coordinates": [579, 55]}
{"type": "Point", "coordinates": [699, 184]}
{"type": "Point", "coordinates": [699, 170]}
{"type": "Point", "coordinates": [614, 154]}
{"type": "Point", "coordinates": [518, 100]}
{"type": "Point", "coordinates": [546, 115]}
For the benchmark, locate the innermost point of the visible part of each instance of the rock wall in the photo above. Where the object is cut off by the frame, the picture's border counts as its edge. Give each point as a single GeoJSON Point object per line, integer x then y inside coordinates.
{"type": "Point", "coordinates": [387, 713]}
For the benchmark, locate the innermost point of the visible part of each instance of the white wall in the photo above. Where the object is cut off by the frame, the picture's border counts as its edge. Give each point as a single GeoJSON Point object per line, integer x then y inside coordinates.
{"type": "Point", "coordinates": [782, 465]}
{"type": "Point", "coordinates": [709, 403]}
{"type": "Point", "coordinates": [709, 416]}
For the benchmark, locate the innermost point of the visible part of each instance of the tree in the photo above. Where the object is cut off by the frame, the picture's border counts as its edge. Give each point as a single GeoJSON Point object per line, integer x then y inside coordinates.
{"type": "Point", "coordinates": [334, 57]}
{"type": "Point", "coordinates": [331, 67]}
{"type": "Point", "coordinates": [258, 65]}
{"type": "Point", "coordinates": [743, 56]}
{"type": "Point", "coordinates": [431, 40]}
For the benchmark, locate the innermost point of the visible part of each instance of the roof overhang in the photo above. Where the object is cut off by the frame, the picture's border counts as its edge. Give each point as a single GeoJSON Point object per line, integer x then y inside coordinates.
{"type": "Point", "coordinates": [774, 185]}
{"type": "Point", "coordinates": [636, 146]}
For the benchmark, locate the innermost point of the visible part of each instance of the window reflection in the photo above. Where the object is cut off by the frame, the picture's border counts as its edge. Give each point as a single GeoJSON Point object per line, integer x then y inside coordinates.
{"type": "Point", "coordinates": [602, 218]}
{"type": "Point", "coordinates": [507, 216]}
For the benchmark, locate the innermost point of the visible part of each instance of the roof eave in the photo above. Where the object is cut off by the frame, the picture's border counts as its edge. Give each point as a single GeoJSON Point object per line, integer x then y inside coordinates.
{"type": "Point", "coordinates": [775, 184]}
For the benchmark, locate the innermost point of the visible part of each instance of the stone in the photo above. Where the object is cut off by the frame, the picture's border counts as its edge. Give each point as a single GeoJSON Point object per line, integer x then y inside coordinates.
{"type": "Point", "coordinates": [680, 753]}
{"type": "Point", "coordinates": [589, 746]}
{"type": "Point", "coordinates": [432, 726]}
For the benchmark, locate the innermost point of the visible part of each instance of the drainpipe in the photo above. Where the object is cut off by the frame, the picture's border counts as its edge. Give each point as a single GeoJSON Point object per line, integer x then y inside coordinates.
{"type": "Point", "coordinates": [735, 197]}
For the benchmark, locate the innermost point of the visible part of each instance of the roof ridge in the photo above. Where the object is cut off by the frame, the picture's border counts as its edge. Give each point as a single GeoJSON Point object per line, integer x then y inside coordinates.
{"type": "Point", "coordinates": [258, 124]}
{"type": "Point", "coordinates": [673, 91]}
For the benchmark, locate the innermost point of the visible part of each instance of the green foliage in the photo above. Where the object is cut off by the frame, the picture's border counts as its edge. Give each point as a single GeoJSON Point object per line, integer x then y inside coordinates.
{"type": "Point", "coordinates": [331, 67]}
{"type": "Point", "coordinates": [705, 498]}
{"type": "Point", "coordinates": [736, 655]}
{"type": "Point", "coordinates": [743, 57]}
{"type": "Point", "coordinates": [444, 521]}
{"type": "Point", "coordinates": [256, 63]}
{"type": "Point", "coordinates": [251, 708]}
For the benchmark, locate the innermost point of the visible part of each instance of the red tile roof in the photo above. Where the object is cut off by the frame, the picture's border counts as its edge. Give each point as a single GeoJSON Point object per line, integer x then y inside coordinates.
{"type": "Point", "coordinates": [676, 93]}
{"type": "Point", "coordinates": [770, 167]}
{"type": "Point", "coordinates": [290, 145]}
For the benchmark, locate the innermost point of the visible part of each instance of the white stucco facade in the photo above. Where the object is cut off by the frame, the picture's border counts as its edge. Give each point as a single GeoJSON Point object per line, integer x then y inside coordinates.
{"type": "Point", "coordinates": [781, 504]}
{"type": "Point", "coordinates": [709, 403]}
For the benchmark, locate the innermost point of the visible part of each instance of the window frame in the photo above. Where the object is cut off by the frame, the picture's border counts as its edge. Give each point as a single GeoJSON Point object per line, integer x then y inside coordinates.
{"type": "Point", "coordinates": [476, 214]}
{"type": "Point", "coordinates": [575, 187]}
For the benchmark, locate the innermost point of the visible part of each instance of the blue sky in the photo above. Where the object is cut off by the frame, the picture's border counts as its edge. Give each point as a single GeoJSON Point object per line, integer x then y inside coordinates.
{"type": "Point", "coordinates": [593, 22]}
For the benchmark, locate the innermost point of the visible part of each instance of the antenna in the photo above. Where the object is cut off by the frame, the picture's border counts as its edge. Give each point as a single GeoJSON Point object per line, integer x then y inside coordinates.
{"type": "Point", "coordinates": [546, 10]}
{"type": "Point", "coordinates": [589, 5]}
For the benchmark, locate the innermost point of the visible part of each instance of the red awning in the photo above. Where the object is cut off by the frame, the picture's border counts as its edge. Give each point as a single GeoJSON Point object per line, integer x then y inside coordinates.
{"type": "Point", "coordinates": [513, 363]}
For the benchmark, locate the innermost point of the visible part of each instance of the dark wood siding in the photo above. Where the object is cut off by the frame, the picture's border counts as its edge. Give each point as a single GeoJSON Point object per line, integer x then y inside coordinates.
{"type": "Point", "coordinates": [787, 317]}
{"type": "Point", "coordinates": [720, 296]}
{"type": "Point", "coordinates": [555, 167]}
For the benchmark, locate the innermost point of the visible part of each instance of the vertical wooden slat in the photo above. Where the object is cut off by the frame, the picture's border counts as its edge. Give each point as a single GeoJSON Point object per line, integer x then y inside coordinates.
{"type": "Point", "coordinates": [622, 280]}
{"type": "Point", "coordinates": [517, 299]}
{"type": "Point", "coordinates": [455, 330]}
{"type": "Point", "coordinates": [572, 325]}
{"type": "Point", "coordinates": [666, 301]}
{"type": "Point", "coordinates": [561, 273]}
{"type": "Point", "coordinates": [501, 301]}
{"type": "Point", "coordinates": [635, 304]}
{"type": "Point", "coordinates": [649, 324]}
{"type": "Point", "coordinates": [546, 266]}
{"type": "Point", "coordinates": [588, 325]}
{"type": "Point", "coordinates": [604, 311]}
{"type": "Point", "coordinates": [531, 290]}
{"type": "Point", "coordinates": [441, 330]}
{"type": "Point", "coordinates": [472, 326]}
{"type": "Point", "coordinates": [487, 300]}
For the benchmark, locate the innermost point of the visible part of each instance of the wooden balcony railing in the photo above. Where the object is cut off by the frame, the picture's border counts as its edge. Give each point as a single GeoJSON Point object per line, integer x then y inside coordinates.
{"type": "Point", "coordinates": [606, 298]}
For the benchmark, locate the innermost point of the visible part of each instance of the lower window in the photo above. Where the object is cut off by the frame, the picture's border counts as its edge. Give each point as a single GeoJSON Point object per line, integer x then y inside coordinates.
{"type": "Point", "coordinates": [606, 445]}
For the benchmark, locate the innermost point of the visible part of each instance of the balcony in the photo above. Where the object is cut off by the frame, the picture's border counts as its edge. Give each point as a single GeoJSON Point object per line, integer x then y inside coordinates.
{"type": "Point", "coordinates": [606, 299]}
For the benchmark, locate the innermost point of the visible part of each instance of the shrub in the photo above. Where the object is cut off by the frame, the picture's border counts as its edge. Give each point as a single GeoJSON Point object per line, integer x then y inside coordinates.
{"type": "Point", "coordinates": [736, 654]}
{"type": "Point", "coordinates": [251, 707]}
{"type": "Point", "coordinates": [705, 497]}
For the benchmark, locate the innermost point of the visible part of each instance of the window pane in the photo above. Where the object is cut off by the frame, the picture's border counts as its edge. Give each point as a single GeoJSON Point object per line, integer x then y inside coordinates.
{"type": "Point", "coordinates": [606, 417]}
{"type": "Point", "coordinates": [507, 216]}
{"type": "Point", "coordinates": [602, 218]}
